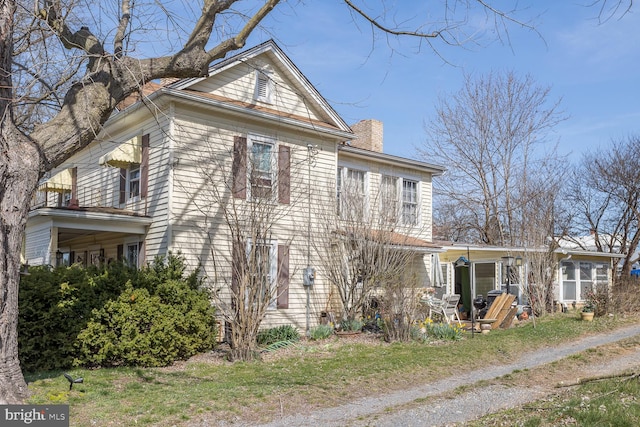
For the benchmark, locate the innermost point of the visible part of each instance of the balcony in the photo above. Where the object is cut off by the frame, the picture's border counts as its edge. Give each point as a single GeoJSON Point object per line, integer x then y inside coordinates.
{"type": "Point", "coordinates": [87, 197]}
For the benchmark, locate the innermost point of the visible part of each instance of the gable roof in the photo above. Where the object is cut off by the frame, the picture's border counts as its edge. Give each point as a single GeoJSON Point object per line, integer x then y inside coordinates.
{"type": "Point", "coordinates": [304, 87]}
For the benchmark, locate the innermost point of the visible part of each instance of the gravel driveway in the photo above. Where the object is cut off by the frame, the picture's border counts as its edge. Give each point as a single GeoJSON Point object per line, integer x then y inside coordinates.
{"type": "Point", "coordinates": [387, 410]}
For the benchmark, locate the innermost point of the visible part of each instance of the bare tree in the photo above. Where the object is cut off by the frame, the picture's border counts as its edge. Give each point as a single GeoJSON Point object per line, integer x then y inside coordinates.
{"type": "Point", "coordinates": [368, 254]}
{"type": "Point", "coordinates": [543, 220]}
{"type": "Point", "coordinates": [245, 200]}
{"type": "Point", "coordinates": [490, 136]}
{"type": "Point", "coordinates": [607, 193]}
{"type": "Point", "coordinates": [64, 71]}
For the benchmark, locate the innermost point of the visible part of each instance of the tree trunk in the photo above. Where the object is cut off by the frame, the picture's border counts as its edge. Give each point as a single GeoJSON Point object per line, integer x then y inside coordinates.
{"type": "Point", "coordinates": [18, 180]}
{"type": "Point", "coordinates": [19, 174]}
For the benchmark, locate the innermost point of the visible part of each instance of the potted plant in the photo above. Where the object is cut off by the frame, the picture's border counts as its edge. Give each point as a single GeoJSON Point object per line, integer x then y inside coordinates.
{"type": "Point", "coordinates": [588, 310]}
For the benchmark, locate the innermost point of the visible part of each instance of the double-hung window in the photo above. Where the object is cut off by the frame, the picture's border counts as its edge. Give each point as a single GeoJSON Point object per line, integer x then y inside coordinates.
{"type": "Point", "coordinates": [133, 182]}
{"type": "Point", "coordinates": [410, 202]}
{"type": "Point", "coordinates": [389, 199]}
{"type": "Point", "coordinates": [262, 264]}
{"type": "Point", "coordinates": [262, 167]}
{"type": "Point", "coordinates": [351, 196]}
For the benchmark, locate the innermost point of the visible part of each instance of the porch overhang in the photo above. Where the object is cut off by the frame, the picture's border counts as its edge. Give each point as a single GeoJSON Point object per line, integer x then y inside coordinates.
{"type": "Point", "coordinates": [91, 220]}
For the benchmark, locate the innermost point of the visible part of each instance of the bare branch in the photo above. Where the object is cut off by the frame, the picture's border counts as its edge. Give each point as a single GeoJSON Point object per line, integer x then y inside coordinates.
{"type": "Point", "coordinates": [122, 27]}
{"type": "Point", "coordinates": [374, 21]}
{"type": "Point", "coordinates": [241, 37]}
{"type": "Point", "coordinates": [82, 39]}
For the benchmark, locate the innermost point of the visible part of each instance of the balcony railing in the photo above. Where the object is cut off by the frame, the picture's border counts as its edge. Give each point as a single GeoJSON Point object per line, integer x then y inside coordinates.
{"type": "Point", "coordinates": [87, 196]}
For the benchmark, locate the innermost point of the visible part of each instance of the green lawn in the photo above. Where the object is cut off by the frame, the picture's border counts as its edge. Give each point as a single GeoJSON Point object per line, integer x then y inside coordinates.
{"type": "Point", "coordinates": [311, 375]}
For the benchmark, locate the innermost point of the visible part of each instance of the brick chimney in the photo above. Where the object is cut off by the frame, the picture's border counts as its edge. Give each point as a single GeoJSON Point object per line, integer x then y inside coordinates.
{"type": "Point", "coordinates": [369, 133]}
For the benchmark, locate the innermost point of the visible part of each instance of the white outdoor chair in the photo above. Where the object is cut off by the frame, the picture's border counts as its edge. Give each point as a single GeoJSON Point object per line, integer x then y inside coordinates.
{"type": "Point", "coordinates": [450, 308]}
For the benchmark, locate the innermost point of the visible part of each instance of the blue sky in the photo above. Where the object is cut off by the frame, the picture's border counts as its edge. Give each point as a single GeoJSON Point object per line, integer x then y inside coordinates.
{"type": "Point", "coordinates": [591, 66]}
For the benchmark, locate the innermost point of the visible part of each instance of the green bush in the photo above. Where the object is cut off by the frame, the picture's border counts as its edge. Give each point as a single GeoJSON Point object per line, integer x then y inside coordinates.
{"type": "Point", "coordinates": [140, 329]}
{"type": "Point", "coordinates": [320, 332]}
{"type": "Point", "coordinates": [270, 336]}
{"type": "Point", "coordinates": [55, 306]}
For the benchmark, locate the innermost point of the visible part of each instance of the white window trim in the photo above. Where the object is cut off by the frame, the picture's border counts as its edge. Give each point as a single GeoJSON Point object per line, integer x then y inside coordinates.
{"type": "Point", "coordinates": [400, 179]}
{"type": "Point", "coordinates": [263, 75]}
{"type": "Point", "coordinates": [262, 139]}
{"type": "Point", "coordinates": [418, 221]}
{"type": "Point", "coordinates": [578, 280]}
{"type": "Point", "coordinates": [273, 270]}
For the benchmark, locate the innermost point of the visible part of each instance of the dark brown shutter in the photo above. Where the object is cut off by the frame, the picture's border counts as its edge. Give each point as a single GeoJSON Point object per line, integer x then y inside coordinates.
{"type": "Point", "coordinates": [120, 253]}
{"type": "Point", "coordinates": [239, 167]}
{"type": "Point", "coordinates": [72, 257]}
{"type": "Point", "coordinates": [144, 167]}
{"type": "Point", "coordinates": [284, 179]}
{"type": "Point", "coordinates": [123, 185]}
{"type": "Point", "coordinates": [283, 276]}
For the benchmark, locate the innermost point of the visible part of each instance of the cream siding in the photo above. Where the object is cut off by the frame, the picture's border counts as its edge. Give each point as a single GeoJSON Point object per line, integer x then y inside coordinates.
{"type": "Point", "coordinates": [190, 158]}
{"type": "Point", "coordinates": [203, 157]}
{"type": "Point", "coordinates": [239, 83]}
{"type": "Point", "coordinates": [38, 244]}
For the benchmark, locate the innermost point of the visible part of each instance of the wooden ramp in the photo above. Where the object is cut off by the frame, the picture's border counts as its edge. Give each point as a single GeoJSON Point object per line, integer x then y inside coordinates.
{"type": "Point", "coordinates": [501, 311]}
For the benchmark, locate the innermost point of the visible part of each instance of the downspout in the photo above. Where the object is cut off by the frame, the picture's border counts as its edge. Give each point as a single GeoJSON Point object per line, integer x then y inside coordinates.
{"type": "Point", "coordinates": [171, 177]}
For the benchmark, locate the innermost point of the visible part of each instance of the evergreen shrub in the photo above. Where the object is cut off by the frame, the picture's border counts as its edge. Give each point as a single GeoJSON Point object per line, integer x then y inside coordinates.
{"type": "Point", "coordinates": [111, 316]}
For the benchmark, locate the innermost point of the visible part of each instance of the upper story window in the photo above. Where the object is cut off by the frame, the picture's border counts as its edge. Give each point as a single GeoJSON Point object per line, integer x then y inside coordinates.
{"type": "Point", "coordinates": [410, 202]}
{"type": "Point", "coordinates": [264, 86]}
{"type": "Point", "coordinates": [262, 167]}
{"type": "Point", "coordinates": [133, 182]}
{"type": "Point", "coordinates": [389, 199]}
{"type": "Point", "coordinates": [351, 196]}
{"type": "Point", "coordinates": [399, 201]}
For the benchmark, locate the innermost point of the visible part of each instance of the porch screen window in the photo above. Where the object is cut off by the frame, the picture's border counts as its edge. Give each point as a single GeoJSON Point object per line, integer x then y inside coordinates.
{"type": "Point", "coordinates": [409, 202]}
{"type": "Point", "coordinates": [586, 279]}
{"type": "Point", "coordinates": [485, 278]}
{"type": "Point", "coordinates": [569, 281]}
{"type": "Point", "coordinates": [602, 274]}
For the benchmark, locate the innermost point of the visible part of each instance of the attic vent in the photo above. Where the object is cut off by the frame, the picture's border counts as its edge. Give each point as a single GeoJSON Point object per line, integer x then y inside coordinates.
{"type": "Point", "coordinates": [263, 87]}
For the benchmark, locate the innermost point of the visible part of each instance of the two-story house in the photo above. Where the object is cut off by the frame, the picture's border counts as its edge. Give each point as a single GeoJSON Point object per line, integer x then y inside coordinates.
{"type": "Point", "coordinates": [253, 144]}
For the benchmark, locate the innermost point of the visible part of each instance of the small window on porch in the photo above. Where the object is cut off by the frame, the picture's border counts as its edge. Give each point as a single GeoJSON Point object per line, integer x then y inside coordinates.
{"type": "Point", "coordinates": [132, 254]}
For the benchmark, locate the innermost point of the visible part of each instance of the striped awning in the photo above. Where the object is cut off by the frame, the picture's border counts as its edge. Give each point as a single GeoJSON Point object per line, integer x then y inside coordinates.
{"type": "Point", "coordinates": [127, 153]}
{"type": "Point", "coordinates": [60, 182]}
